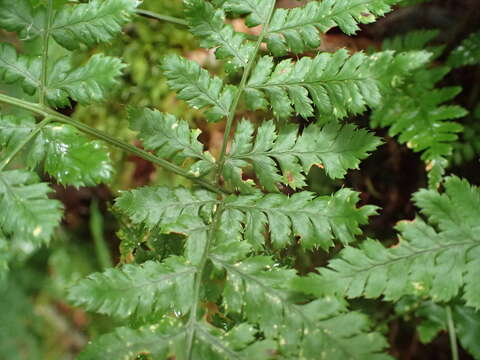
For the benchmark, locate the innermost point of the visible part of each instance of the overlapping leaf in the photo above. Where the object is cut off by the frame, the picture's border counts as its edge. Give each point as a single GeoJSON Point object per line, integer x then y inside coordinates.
{"type": "Point", "coordinates": [440, 264]}
{"type": "Point", "coordinates": [171, 139]}
{"type": "Point", "coordinates": [91, 82]}
{"type": "Point", "coordinates": [91, 23]}
{"type": "Point", "coordinates": [208, 24]}
{"type": "Point", "coordinates": [257, 289]}
{"type": "Point", "coordinates": [196, 86]}
{"type": "Point", "coordinates": [26, 210]}
{"type": "Point", "coordinates": [138, 290]}
{"type": "Point", "coordinates": [317, 221]}
{"type": "Point", "coordinates": [66, 155]}
{"type": "Point", "coordinates": [337, 84]}
{"type": "Point", "coordinates": [334, 147]}
{"type": "Point", "coordinates": [298, 29]}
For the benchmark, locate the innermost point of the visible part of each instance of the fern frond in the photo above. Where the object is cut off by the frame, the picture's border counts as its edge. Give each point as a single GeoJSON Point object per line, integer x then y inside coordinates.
{"type": "Point", "coordinates": [163, 206]}
{"type": "Point", "coordinates": [208, 24]}
{"type": "Point", "coordinates": [138, 290]}
{"type": "Point", "coordinates": [196, 86]}
{"type": "Point", "coordinates": [258, 289]}
{"type": "Point", "coordinates": [334, 147]}
{"type": "Point", "coordinates": [21, 18]}
{"type": "Point", "coordinates": [414, 40]}
{"type": "Point", "coordinates": [91, 23]}
{"type": "Point", "coordinates": [467, 53]}
{"type": "Point", "coordinates": [171, 139]}
{"type": "Point", "coordinates": [86, 84]}
{"type": "Point", "coordinates": [161, 340]}
{"type": "Point", "coordinates": [425, 262]}
{"type": "Point", "coordinates": [66, 155]}
{"type": "Point", "coordinates": [298, 29]}
{"type": "Point", "coordinates": [26, 210]}
{"type": "Point", "coordinates": [16, 67]}
{"type": "Point", "coordinates": [337, 84]}
{"type": "Point", "coordinates": [315, 220]}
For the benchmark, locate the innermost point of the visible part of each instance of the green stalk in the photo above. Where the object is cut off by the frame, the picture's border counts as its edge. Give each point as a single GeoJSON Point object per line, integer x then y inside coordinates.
{"type": "Point", "coordinates": [46, 112]}
{"type": "Point", "coordinates": [241, 89]}
{"type": "Point", "coordinates": [46, 38]}
{"type": "Point", "coordinates": [20, 146]}
{"type": "Point", "coordinates": [96, 229]}
{"type": "Point", "coordinates": [161, 17]}
{"type": "Point", "coordinates": [452, 333]}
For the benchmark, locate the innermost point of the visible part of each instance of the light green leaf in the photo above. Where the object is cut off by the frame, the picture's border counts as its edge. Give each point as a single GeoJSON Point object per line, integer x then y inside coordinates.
{"type": "Point", "coordinates": [163, 206]}
{"type": "Point", "coordinates": [171, 139]}
{"type": "Point", "coordinates": [138, 290]}
{"type": "Point", "coordinates": [298, 29]}
{"type": "Point", "coordinates": [89, 83]}
{"type": "Point", "coordinates": [257, 10]}
{"type": "Point", "coordinates": [195, 85]}
{"type": "Point", "coordinates": [287, 156]}
{"type": "Point", "coordinates": [91, 23]}
{"type": "Point", "coordinates": [337, 84]}
{"type": "Point", "coordinates": [315, 220]}
{"type": "Point", "coordinates": [65, 154]}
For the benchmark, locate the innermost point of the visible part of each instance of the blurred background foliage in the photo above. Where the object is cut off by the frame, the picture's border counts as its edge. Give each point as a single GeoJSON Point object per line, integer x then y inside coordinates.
{"type": "Point", "coordinates": [35, 320]}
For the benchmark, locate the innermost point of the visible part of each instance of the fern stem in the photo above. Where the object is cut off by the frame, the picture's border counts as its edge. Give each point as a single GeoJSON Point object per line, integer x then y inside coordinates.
{"type": "Point", "coordinates": [452, 333]}
{"type": "Point", "coordinates": [241, 89]}
{"type": "Point", "coordinates": [46, 112]}
{"type": "Point", "coordinates": [161, 17]}
{"type": "Point", "coordinates": [20, 146]}
{"type": "Point", "coordinates": [46, 38]}
{"type": "Point", "coordinates": [198, 282]}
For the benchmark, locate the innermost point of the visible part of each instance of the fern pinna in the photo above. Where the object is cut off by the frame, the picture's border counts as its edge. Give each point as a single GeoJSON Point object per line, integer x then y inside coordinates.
{"type": "Point", "coordinates": [223, 292]}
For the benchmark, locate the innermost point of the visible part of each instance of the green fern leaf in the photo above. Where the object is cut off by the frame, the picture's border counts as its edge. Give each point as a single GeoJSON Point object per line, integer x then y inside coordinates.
{"type": "Point", "coordinates": [198, 88]}
{"type": "Point", "coordinates": [19, 68]}
{"type": "Point", "coordinates": [425, 262]}
{"type": "Point", "coordinates": [171, 139]}
{"type": "Point", "coordinates": [298, 29]}
{"type": "Point", "coordinates": [138, 290]}
{"type": "Point", "coordinates": [163, 206]}
{"type": "Point", "coordinates": [258, 289]}
{"type": "Point", "coordinates": [35, 216]}
{"type": "Point", "coordinates": [67, 156]}
{"type": "Point", "coordinates": [86, 84]}
{"type": "Point", "coordinates": [334, 147]}
{"type": "Point", "coordinates": [315, 220]}
{"type": "Point", "coordinates": [208, 24]}
{"type": "Point", "coordinates": [414, 40]}
{"type": "Point", "coordinates": [467, 53]}
{"type": "Point", "coordinates": [91, 23]}
{"type": "Point", "coordinates": [257, 10]}
{"type": "Point", "coordinates": [337, 84]}
{"type": "Point", "coordinates": [22, 18]}
{"type": "Point", "coordinates": [166, 339]}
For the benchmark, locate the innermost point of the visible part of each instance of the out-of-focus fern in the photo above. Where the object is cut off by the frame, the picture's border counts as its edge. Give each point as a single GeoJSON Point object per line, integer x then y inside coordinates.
{"type": "Point", "coordinates": [418, 112]}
